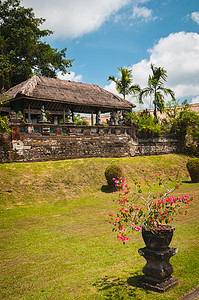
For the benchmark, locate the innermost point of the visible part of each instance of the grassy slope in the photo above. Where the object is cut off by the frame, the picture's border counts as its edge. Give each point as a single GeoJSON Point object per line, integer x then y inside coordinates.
{"type": "Point", "coordinates": [58, 244]}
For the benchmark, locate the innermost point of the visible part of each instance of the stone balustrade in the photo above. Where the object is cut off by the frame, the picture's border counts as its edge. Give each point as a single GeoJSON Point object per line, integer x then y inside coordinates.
{"type": "Point", "coordinates": [67, 129]}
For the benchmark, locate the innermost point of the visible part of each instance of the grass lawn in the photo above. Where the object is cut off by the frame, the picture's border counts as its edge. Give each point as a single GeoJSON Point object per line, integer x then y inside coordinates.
{"type": "Point", "coordinates": [57, 243]}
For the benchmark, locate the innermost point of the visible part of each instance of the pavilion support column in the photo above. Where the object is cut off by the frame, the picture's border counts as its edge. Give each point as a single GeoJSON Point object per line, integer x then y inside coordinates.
{"type": "Point", "coordinates": [29, 117]}
{"type": "Point", "coordinates": [92, 119]}
{"type": "Point", "coordinates": [64, 114]}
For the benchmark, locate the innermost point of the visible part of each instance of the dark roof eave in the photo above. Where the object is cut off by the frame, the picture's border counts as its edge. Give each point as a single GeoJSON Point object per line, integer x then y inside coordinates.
{"type": "Point", "coordinates": [20, 96]}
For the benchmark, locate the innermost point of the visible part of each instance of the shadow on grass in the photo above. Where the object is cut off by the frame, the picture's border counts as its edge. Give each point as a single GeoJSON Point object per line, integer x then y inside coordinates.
{"type": "Point", "coordinates": [119, 288]}
{"type": "Point", "coordinates": [106, 189]}
{"type": "Point", "coordinates": [186, 181]}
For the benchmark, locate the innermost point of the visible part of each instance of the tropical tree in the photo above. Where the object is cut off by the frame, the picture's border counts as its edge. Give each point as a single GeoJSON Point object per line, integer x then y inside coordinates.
{"type": "Point", "coordinates": [157, 89]}
{"type": "Point", "coordinates": [22, 53]}
{"type": "Point", "coordinates": [124, 84]}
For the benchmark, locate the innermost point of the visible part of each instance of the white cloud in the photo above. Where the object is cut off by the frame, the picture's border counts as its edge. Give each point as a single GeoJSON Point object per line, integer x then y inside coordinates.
{"type": "Point", "coordinates": [142, 13]}
{"type": "Point", "coordinates": [179, 55]}
{"type": "Point", "coordinates": [74, 18]}
{"type": "Point", "coordinates": [69, 76]}
{"type": "Point", "coordinates": [195, 16]}
{"type": "Point", "coordinates": [195, 100]}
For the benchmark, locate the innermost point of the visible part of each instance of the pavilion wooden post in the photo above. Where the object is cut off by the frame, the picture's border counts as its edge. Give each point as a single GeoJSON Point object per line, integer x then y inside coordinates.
{"type": "Point", "coordinates": [64, 114]}
{"type": "Point", "coordinates": [29, 117]}
{"type": "Point", "coordinates": [92, 118]}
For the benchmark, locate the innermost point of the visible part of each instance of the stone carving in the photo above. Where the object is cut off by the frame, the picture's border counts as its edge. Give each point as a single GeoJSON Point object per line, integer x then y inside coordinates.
{"type": "Point", "coordinates": [98, 117]}
{"type": "Point", "coordinates": [69, 116]}
{"type": "Point", "coordinates": [115, 117]}
{"type": "Point", "coordinates": [43, 118]}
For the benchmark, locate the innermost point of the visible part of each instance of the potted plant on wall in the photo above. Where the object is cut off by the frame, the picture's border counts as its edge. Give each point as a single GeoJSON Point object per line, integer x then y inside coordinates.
{"type": "Point", "coordinates": [151, 213]}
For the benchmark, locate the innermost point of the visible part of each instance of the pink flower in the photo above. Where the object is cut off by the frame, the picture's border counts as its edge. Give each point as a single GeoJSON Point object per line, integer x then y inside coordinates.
{"type": "Point", "coordinates": [110, 215]}
{"type": "Point", "coordinates": [126, 210]}
{"type": "Point", "coordinates": [137, 228]}
{"type": "Point", "coordinates": [113, 179]}
{"type": "Point", "coordinates": [123, 238]}
{"type": "Point", "coordinates": [171, 174]}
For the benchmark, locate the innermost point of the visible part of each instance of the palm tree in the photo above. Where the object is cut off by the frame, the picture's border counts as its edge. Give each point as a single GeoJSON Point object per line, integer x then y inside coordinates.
{"type": "Point", "coordinates": [123, 84]}
{"type": "Point", "coordinates": [156, 88]}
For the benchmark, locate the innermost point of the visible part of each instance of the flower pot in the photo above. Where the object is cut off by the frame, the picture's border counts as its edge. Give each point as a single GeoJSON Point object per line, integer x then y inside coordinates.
{"type": "Point", "coordinates": [158, 239]}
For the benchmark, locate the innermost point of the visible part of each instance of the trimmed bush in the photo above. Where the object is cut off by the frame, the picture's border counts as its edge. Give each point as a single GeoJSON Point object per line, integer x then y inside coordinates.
{"type": "Point", "coordinates": [113, 171]}
{"type": "Point", "coordinates": [193, 168]}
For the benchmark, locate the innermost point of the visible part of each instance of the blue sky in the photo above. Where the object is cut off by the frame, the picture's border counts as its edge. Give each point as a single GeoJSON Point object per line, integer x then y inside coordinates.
{"type": "Point", "coordinates": [102, 35]}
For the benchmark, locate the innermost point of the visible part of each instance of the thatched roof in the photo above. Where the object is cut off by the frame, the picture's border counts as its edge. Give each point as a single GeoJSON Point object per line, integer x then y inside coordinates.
{"type": "Point", "coordinates": [68, 92]}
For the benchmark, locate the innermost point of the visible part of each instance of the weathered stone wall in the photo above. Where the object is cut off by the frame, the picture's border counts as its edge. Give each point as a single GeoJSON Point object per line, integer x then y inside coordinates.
{"type": "Point", "coordinates": [38, 148]}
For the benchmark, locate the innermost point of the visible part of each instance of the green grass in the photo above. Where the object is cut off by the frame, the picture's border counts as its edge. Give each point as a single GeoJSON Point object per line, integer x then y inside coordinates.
{"type": "Point", "coordinates": [56, 241]}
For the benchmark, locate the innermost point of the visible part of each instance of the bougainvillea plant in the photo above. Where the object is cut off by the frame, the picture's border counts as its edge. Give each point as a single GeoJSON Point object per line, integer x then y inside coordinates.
{"type": "Point", "coordinates": [150, 210]}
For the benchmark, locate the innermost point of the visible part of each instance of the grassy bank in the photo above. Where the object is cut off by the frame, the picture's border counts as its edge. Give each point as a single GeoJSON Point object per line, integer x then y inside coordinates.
{"type": "Point", "coordinates": [56, 239]}
{"type": "Point", "coordinates": [50, 182]}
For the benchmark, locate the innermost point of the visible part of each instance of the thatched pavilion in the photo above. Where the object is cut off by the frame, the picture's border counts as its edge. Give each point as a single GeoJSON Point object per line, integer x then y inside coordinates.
{"type": "Point", "coordinates": [61, 99]}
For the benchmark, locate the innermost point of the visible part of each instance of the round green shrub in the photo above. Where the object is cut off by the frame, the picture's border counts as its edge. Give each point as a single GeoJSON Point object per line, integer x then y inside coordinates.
{"type": "Point", "coordinates": [113, 171]}
{"type": "Point", "coordinates": [193, 168]}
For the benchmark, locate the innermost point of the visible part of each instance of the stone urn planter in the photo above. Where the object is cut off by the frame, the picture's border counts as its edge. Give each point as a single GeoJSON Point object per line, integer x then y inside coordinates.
{"type": "Point", "coordinates": [157, 253]}
{"type": "Point", "coordinates": [158, 239]}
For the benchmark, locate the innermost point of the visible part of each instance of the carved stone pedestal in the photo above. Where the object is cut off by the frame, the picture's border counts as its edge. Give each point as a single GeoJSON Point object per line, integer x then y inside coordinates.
{"type": "Point", "coordinates": [158, 270]}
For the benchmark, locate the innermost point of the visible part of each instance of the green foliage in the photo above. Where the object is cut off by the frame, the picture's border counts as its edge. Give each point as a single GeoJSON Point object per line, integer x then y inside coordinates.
{"type": "Point", "coordinates": [124, 84]}
{"type": "Point", "coordinates": [145, 124]}
{"type": "Point", "coordinates": [4, 125]}
{"type": "Point", "coordinates": [156, 89]}
{"type": "Point", "coordinates": [113, 171]}
{"type": "Point", "coordinates": [48, 116]}
{"type": "Point", "coordinates": [22, 53]}
{"type": "Point", "coordinates": [193, 168]}
{"type": "Point", "coordinates": [79, 120]}
{"type": "Point", "coordinates": [184, 123]}
{"type": "Point", "coordinates": [4, 121]}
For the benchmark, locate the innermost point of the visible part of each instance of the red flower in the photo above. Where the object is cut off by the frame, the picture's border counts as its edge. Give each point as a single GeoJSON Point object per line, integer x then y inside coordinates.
{"type": "Point", "coordinates": [186, 211]}
{"type": "Point", "coordinates": [176, 186]}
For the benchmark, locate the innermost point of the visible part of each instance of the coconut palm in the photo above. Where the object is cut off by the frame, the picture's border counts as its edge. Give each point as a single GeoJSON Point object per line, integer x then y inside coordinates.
{"type": "Point", "coordinates": [157, 89]}
{"type": "Point", "coordinates": [124, 84]}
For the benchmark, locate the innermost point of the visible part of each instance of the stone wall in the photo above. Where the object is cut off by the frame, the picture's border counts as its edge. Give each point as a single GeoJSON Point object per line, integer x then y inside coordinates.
{"type": "Point", "coordinates": [39, 148]}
